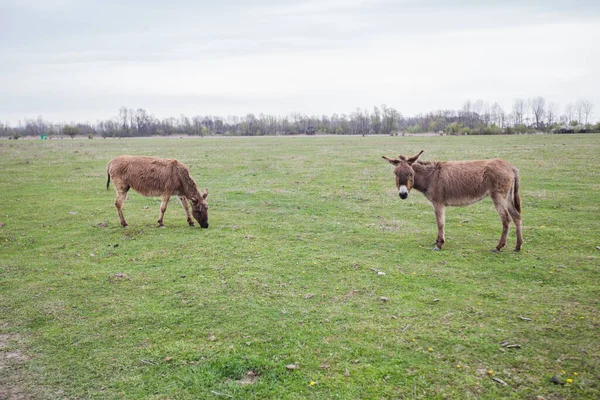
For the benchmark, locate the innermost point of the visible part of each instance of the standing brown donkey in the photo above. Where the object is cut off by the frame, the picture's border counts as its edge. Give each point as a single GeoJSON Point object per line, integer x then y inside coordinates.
{"type": "Point", "coordinates": [462, 183]}
{"type": "Point", "coordinates": [152, 176]}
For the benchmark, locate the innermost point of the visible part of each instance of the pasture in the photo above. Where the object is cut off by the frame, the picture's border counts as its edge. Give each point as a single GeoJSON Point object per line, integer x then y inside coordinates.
{"type": "Point", "coordinates": [314, 279]}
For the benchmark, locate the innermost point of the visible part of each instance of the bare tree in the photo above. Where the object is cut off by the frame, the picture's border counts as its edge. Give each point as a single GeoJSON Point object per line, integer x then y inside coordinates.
{"type": "Point", "coordinates": [552, 113]}
{"type": "Point", "coordinates": [587, 108]}
{"type": "Point", "coordinates": [466, 113]}
{"type": "Point", "coordinates": [132, 122]}
{"type": "Point", "coordinates": [108, 128]}
{"type": "Point", "coordinates": [579, 110]}
{"type": "Point", "coordinates": [345, 127]}
{"type": "Point", "coordinates": [268, 124]}
{"type": "Point", "coordinates": [538, 105]}
{"type": "Point", "coordinates": [197, 126]}
{"type": "Point", "coordinates": [209, 124]}
{"type": "Point", "coordinates": [390, 119]}
{"type": "Point", "coordinates": [123, 121]}
{"type": "Point", "coordinates": [143, 121]}
{"type": "Point", "coordinates": [527, 113]}
{"type": "Point", "coordinates": [497, 115]}
{"type": "Point", "coordinates": [185, 127]}
{"type": "Point", "coordinates": [502, 118]}
{"type": "Point", "coordinates": [35, 127]}
{"type": "Point", "coordinates": [359, 122]}
{"type": "Point", "coordinates": [168, 126]}
{"type": "Point", "coordinates": [486, 114]}
{"type": "Point", "coordinates": [219, 126]}
{"type": "Point", "coordinates": [234, 124]}
{"type": "Point", "coordinates": [376, 120]}
{"type": "Point", "coordinates": [518, 111]}
{"type": "Point", "coordinates": [479, 106]}
{"type": "Point", "coordinates": [569, 112]}
{"type": "Point", "coordinates": [250, 125]}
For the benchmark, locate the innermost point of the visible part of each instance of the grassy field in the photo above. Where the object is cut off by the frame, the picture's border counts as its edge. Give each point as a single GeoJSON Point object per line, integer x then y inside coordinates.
{"type": "Point", "coordinates": [282, 296]}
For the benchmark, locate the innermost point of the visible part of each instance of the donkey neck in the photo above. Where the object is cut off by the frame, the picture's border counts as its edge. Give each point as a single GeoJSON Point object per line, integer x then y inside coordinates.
{"type": "Point", "coordinates": [423, 174]}
{"type": "Point", "coordinates": [188, 186]}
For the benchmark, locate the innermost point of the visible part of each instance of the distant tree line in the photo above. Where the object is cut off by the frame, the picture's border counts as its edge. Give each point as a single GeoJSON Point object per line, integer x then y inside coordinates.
{"type": "Point", "coordinates": [475, 117]}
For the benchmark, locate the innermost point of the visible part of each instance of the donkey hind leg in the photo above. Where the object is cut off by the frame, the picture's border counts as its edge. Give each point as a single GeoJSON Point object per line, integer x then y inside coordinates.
{"type": "Point", "coordinates": [184, 203]}
{"type": "Point", "coordinates": [163, 208]}
{"type": "Point", "coordinates": [516, 217]}
{"type": "Point", "coordinates": [121, 196]}
{"type": "Point", "coordinates": [502, 207]}
{"type": "Point", "coordinates": [440, 217]}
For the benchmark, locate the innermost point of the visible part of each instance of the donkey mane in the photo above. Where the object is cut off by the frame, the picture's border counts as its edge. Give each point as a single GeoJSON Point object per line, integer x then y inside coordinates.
{"type": "Point", "coordinates": [427, 162]}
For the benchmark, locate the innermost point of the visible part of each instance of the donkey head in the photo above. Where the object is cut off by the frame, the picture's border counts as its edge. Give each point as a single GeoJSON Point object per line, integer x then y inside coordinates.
{"type": "Point", "coordinates": [200, 208]}
{"type": "Point", "coordinates": [405, 174]}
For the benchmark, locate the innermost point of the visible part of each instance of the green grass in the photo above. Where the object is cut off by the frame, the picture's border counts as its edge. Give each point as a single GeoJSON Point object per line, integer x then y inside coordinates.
{"type": "Point", "coordinates": [286, 274]}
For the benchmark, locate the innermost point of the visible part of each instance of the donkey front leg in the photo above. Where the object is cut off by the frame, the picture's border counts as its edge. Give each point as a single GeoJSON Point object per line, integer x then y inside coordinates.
{"type": "Point", "coordinates": [163, 208]}
{"type": "Point", "coordinates": [184, 203]}
{"type": "Point", "coordinates": [440, 217]}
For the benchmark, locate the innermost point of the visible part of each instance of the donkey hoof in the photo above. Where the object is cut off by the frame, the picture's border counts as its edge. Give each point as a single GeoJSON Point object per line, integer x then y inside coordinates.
{"type": "Point", "coordinates": [496, 251]}
{"type": "Point", "coordinates": [437, 248]}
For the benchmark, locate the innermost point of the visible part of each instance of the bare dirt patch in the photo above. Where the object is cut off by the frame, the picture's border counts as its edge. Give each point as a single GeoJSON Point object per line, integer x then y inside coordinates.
{"type": "Point", "coordinates": [249, 379]}
{"type": "Point", "coordinates": [12, 383]}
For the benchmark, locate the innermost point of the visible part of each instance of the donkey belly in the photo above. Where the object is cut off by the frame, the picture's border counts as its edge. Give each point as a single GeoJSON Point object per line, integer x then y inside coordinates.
{"type": "Point", "coordinates": [461, 201]}
{"type": "Point", "coordinates": [151, 190]}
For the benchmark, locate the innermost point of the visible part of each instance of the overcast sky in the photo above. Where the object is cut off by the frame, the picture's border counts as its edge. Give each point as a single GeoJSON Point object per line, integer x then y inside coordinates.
{"type": "Point", "coordinates": [81, 60]}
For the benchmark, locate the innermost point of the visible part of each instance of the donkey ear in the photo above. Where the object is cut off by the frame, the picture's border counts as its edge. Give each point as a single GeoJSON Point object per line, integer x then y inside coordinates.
{"type": "Point", "coordinates": [205, 194]}
{"type": "Point", "coordinates": [414, 158]}
{"type": "Point", "coordinates": [392, 161]}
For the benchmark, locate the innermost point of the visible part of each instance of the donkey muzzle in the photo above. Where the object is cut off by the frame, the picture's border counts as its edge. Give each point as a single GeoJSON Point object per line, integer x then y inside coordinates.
{"type": "Point", "coordinates": [403, 192]}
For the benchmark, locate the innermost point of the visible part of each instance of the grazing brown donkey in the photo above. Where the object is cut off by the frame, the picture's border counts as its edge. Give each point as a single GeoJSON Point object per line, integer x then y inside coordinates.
{"type": "Point", "coordinates": [152, 176]}
{"type": "Point", "coordinates": [462, 183]}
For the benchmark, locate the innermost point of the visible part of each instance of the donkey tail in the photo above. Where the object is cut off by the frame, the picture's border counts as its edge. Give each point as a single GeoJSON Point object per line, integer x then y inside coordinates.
{"type": "Point", "coordinates": [108, 174]}
{"type": "Point", "coordinates": [516, 195]}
